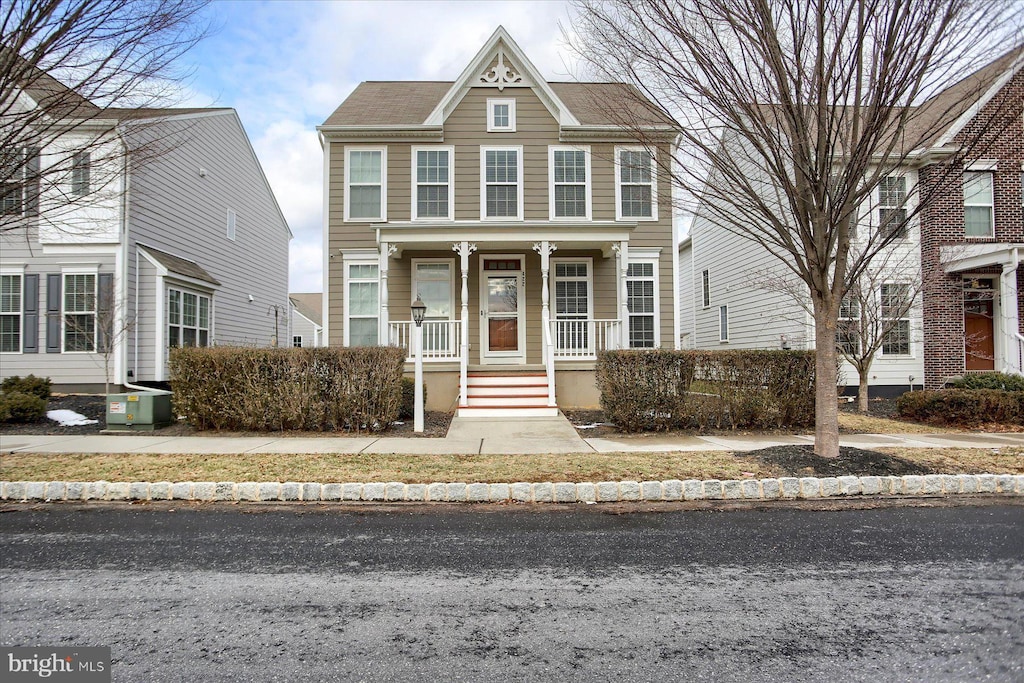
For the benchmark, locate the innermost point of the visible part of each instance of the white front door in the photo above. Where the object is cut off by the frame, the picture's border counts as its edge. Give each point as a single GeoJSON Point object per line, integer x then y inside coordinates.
{"type": "Point", "coordinates": [502, 309]}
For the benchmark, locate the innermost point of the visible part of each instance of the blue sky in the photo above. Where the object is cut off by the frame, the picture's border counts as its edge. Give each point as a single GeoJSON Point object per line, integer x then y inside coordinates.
{"type": "Point", "coordinates": [285, 66]}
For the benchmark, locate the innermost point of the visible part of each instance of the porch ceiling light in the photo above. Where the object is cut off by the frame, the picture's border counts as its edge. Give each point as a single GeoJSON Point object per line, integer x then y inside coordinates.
{"type": "Point", "coordinates": [419, 311]}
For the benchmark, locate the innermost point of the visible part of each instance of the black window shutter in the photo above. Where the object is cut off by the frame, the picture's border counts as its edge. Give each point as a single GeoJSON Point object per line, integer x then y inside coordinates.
{"type": "Point", "coordinates": [53, 293]}
{"type": "Point", "coordinates": [104, 309]}
{"type": "Point", "coordinates": [30, 314]}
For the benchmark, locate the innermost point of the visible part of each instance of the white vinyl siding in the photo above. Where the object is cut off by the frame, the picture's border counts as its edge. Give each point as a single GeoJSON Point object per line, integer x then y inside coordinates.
{"type": "Point", "coordinates": [501, 177]}
{"type": "Point", "coordinates": [79, 313]}
{"type": "Point", "coordinates": [569, 182]}
{"type": "Point", "coordinates": [365, 183]}
{"type": "Point", "coordinates": [362, 304]}
{"type": "Point", "coordinates": [978, 204]}
{"type": "Point", "coordinates": [432, 173]}
{"type": "Point", "coordinates": [635, 184]}
{"type": "Point", "coordinates": [10, 313]}
{"type": "Point", "coordinates": [642, 294]}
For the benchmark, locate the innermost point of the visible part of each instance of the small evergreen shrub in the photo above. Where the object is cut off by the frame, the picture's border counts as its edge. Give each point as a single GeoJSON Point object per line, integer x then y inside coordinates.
{"type": "Point", "coordinates": [990, 380]}
{"type": "Point", "coordinates": [36, 386]}
{"type": "Point", "coordinates": [962, 407]}
{"type": "Point", "coordinates": [16, 406]}
{"type": "Point", "coordinates": [408, 409]}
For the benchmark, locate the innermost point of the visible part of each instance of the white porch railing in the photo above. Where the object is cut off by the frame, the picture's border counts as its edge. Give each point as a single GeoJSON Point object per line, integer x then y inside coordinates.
{"type": "Point", "coordinates": [1016, 355]}
{"type": "Point", "coordinates": [582, 339]}
{"type": "Point", "coordinates": [441, 338]}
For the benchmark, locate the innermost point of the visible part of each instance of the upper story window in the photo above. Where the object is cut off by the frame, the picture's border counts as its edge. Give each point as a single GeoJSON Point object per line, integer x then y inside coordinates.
{"type": "Point", "coordinates": [979, 207]}
{"type": "Point", "coordinates": [569, 187]}
{"type": "Point", "coordinates": [432, 177]}
{"type": "Point", "coordinates": [10, 313]}
{"type": "Point", "coordinates": [80, 169]}
{"type": "Point", "coordinates": [501, 177]}
{"type": "Point", "coordinates": [79, 312]}
{"type": "Point", "coordinates": [635, 195]}
{"type": "Point", "coordinates": [231, 225]}
{"type": "Point", "coordinates": [501, 116]}
{"type": "Point", "coordinates": [705, 286]}
{"type": "Point", "coordinates": [18, 169]}
{"type": "Point", "coordinates": [365, 183]}
{"type": "Point", "coordinates": [892, 212]}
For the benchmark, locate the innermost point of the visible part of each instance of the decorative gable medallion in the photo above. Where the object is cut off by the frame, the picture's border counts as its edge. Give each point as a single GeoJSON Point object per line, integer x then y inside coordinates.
{"type": "Point", "coordinates": [500, 74]}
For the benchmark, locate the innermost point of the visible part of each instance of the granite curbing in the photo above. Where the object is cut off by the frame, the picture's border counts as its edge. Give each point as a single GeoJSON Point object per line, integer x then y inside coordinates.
{"type": "Point", "coordinates": [782, 488]}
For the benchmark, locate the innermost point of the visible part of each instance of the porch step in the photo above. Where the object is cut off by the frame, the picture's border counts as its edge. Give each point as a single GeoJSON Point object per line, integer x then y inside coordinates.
{"type": "Point", "coordinates": [507, 395]}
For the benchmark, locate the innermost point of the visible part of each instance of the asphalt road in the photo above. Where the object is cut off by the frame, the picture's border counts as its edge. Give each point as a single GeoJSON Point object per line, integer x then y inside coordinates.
{"type": "Point", "coordinates": [248, 593]}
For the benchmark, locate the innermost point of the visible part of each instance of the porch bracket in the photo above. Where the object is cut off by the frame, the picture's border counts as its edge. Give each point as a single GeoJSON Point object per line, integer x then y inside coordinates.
{"type": "Point", "coordinates": [464, 249]}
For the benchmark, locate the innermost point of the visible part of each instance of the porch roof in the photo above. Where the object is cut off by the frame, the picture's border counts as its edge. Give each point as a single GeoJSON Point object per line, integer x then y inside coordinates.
{"type": "Point", "coordinates": [962, 257]}
{"type": "Point", "coordinates": [420, 235]}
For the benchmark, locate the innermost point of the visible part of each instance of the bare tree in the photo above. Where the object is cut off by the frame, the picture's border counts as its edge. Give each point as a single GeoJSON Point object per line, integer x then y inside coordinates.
{"type": "Point", "coordinates": [792, 114]}
{"type": "Point", "coordinates": [70, 73]}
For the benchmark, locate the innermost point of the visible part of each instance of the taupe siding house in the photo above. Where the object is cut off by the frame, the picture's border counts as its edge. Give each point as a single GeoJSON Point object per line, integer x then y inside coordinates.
{"type": "Point", "coordinates": [534, 228]}
{"type": "Point", "coordinates": [130, 232]}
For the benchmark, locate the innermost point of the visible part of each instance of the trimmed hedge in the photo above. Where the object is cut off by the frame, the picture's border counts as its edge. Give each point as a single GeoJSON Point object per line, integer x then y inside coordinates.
{"type": "Point", "coordinates": [30, 384]}
{"type": "Point", "coordinates": [660, 389]}
{"type": "Point", "coordinates": [962, 407]}
{"type": "Point", "coordinates": [990, 380]}
{"type": "Point", "coordinates": [17, 406]}
{"type": "Point", "coordinates": [268, 389]}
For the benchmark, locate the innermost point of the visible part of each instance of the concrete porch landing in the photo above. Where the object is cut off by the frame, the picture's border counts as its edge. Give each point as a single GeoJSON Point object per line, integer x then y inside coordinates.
{"type": "Point", "coordinates": [530, 434]}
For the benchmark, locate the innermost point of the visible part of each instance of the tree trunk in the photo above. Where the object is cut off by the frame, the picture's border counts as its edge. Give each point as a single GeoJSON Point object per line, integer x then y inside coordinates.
{"type": "Point", "coordinates": [826, 394]}
{"type": "Point", "coordinates": [862, 392]}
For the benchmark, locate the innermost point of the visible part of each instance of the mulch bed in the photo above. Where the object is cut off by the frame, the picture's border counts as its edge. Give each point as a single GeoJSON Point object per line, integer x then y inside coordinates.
{"type": "Point", "coordinates": [797, 461]}
{"type": "Point", "coordinates": [435, 424]}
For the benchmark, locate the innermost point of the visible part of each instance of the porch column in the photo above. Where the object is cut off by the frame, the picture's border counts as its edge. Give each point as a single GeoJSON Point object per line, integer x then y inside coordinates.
{"type": "Point", "coordinates": [1011, 321]}
{"type": "Point", "coordinates": [545, 248]}
{"type": "Point", "coordinates": [622, 249]}
{"type": "Point", "coordinates": [464, 249]}
{"type": "Point", "coordinates": [384, 333]}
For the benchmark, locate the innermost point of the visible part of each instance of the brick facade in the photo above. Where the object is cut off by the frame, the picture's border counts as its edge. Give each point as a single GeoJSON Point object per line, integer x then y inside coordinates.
{"type": "Point", "coordinates": [942, 223]}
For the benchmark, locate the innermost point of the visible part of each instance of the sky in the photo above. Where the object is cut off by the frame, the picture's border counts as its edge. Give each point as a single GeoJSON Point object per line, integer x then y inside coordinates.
{"type": "Point", "coordinates": [286, 65]}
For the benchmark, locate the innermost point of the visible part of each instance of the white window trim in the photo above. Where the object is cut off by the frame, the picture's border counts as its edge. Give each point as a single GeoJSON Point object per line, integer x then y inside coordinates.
{"type": "Point", "coordinates": [64, 314]}
{"type": "Point", "coordinates": [723, 309]}
{"type": "Point", "coordinates": [451, 271]}
{"type": "Point", "coordinates": [991, 205]}
{"type": "Point", "coordinates": [551, 182]}
{"type": "Point", "coordinates": [905, 205]}
{"type": "Point", "coordinates": [705, 288]}
{"type": "Point", "coordinates": [553, 277]}
{"type": "Point", "coordinates": [511, 127]}
{"type": "Point", "coordinates": [908, 316]}
{"type": "Point", "coordinates": [637, 256]}
{"type": "Point", "coordinates": [81, 174]}
{"type": "Point", "coordinates": [484, 149]}
{"type": "Point", "coordinates": [618, 183]}
{"type": "Point", "coordinates": [383, 149]}
{"type": "Point", "coordinates": [346, 281]}
{"type": "Point", "coordinates": [301, 341]}
{"type": "Point", "coordinates": [20, 274]}
{"type": "Point", "coordinates": [232, 220]}
{"type": "Point", "coordinates": [182, 291]}
{"type": "Point", "coordinates": [416, 149]}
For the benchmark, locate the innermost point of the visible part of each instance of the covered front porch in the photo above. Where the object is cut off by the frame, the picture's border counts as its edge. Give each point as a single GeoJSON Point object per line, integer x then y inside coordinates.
{"type": "Point", "coordinates": [507, 306]}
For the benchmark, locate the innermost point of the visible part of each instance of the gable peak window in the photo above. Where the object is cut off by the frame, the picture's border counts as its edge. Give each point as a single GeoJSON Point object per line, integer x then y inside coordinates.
{"type": "Point", "coordinates": [501, 115]}
{"type": "Point", "coordinates": [635, 184]}
{"type": "Point", "coordinates": [365, 183]}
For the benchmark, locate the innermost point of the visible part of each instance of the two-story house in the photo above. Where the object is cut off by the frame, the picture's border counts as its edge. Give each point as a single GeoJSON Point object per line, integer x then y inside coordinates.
{"type": "Point", "coordinates": [520, 211]}
{"type": "Point", "coordinates": [127, 232]}
{"type": "Point", "coordinates": [957, 256]}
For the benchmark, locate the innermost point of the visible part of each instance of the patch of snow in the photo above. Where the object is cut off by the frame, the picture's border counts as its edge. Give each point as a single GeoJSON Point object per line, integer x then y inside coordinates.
{"type": "Point", "coordinates": [69, 418]}
{"type": "Point", "coordinates": [590, 426]}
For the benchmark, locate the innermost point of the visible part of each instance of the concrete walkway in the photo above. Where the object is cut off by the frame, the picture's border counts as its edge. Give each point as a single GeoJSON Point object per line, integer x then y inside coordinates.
{"type": "Point", "coordinates": [471, 436]}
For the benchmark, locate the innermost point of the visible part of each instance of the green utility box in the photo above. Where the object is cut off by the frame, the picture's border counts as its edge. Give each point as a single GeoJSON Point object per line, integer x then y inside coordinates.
{"type": "Point", "coordinates": [138, 412]}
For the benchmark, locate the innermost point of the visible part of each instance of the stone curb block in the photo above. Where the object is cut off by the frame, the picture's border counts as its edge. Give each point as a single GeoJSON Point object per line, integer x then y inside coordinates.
{"type": "Point", "coordinates": [541, 492]}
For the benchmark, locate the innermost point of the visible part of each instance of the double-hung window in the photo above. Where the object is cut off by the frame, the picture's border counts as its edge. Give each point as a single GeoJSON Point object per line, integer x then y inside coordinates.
{"type": "Point", "coordinates": [362, 304]}
{"type": "Point", "coordinates": [642, 301]}
{"type": "Point", "coordinates": [501, 177]}
{"type": "Point", "coordinates": [80, 171]}
{"type": "Point", "coordinates": [895, 305]}
{"type": "Point", "coordinates": [188, 318]}
{"type": "Point", "coordinates": [848, 330]}
{"type": "Point", "coordinates": [572, 296]}
{"type": "Point", "coordinates": [635, 194]}
{"type": "Point", "coordinates": [979, 208]}
{"type": "Point", "coordinates": [434, 284]}
{"type": "Point", "coordinates": [79, 313]}
{"type": "Point", "coordinates": [892, 211]}
{"type": "Point", "coordinates": [10, 313]}
{"type": "Point", "coordinates": [12, 182]}
{"type": "Point", "coordinates": [365, 183]}
{"type": "Point", "coordinates": [569, 187]}
{"type": "Point", "coordinates": [432, 179]}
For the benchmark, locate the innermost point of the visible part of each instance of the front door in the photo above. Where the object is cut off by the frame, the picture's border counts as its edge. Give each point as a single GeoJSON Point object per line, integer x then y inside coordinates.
{"type": "Point", "coordinates": [502, 332]}
{"type": "Point", "coordinates": [979, 332]}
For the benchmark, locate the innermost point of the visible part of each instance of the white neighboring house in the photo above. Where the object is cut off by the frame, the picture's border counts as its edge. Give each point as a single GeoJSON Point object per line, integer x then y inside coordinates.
{"type": "Point", "coordinates": [306, 315]}
{"type": "Point", "coordinates": [139, 250]}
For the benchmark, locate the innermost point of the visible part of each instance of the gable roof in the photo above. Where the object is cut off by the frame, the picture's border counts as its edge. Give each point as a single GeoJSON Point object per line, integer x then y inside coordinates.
{"type": "Point", "coordinates": [179, 266]}
{"type": "Point", "coordinates": [309, 305]}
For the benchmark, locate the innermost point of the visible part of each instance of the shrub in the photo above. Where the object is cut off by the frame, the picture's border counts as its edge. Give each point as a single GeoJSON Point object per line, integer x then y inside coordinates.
{"type": "Point", "coordinates": [962, 407]}
{"type": "Point", "coordinates": [408, 408]}
{"type": "Point", "coordinates": [36, 386]}
{"type": "Point", "coordinates": [16, 406]}
{"type": "Point", "coordinates": [990, 380]}
{"type": "Point", "coordinates": [313, 389]}
{"type": "Point", "coordinates": [659, 389]}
